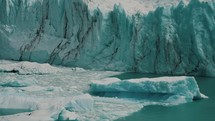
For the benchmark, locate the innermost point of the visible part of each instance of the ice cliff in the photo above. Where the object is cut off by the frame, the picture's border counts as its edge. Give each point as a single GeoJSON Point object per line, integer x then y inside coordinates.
{"type": "Point", "coordinates": [176, 39]}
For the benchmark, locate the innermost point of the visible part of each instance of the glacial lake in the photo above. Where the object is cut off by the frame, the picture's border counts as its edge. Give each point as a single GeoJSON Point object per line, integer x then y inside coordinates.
{"type": "Point", "coordinates": [199, 110]}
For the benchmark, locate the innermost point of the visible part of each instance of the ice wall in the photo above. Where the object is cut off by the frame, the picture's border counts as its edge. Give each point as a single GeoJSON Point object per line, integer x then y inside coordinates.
{"type": "Point", "coordinates": [178, 40]}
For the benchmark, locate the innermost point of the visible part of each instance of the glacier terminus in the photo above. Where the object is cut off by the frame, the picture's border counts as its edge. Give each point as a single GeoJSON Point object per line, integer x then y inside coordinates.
{"type": "Point", "coordinates": [163, 37]}
{"type": "Point", "coordinates": [106, 60]}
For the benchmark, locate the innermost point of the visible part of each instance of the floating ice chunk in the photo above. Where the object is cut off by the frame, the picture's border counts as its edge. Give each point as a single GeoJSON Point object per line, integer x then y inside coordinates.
{"type": "Point", "coordinates": [78, 69]}
{"type": "Point", "coordinates": [182, 89]}
{"type": "Point", "coordinates": [204, 96]}
{"type": "Point", "coordinates": [66, 115]}
{"type": "Point", "coordinates": [28, 68]}
{"type": "Point", "coordinates": [54, 89]}
{"type": "Point", "coordinates": [17, 102]}
{"type": "Point", "coordinates": [13, 81]}
{"type": "Point", "coordinates": [14, 84]}
{"type": "Point", "coordinates": [81, 103]}
{"type": "Point", "coordinates": [33, 88]}
{"type": "Point", "coordinates": [131, 6]}
{"type": "Point", "coordinates": [109, 109]}
{"type": "Point", "coordinates": [38, 115]}
{"type": "Point", "coordinates": [8, 90]}
{"type": "Point", "coordinates": [40, 88]}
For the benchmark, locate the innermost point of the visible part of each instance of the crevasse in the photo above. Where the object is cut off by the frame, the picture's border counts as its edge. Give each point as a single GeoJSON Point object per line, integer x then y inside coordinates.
{"type": "Point", "coordinates": [176, 40]}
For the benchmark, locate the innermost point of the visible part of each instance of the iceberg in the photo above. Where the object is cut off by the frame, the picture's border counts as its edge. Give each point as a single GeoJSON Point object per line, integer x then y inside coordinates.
{"type": "Point", "coordinates": [67, 116]}
{"type": "Point", "coordinates": [81, 103]}
{"type": "Point", "coordinates": [174, 90]}
{"type": "Point", "coordinates": [162, 37]}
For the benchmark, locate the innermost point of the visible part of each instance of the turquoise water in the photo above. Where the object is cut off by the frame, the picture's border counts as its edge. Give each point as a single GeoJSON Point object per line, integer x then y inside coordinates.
{"type": "Point", "coordinates": [199, 110]}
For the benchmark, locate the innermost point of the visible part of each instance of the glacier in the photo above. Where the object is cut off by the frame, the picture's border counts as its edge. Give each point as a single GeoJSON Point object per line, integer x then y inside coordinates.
{"type": "Point", "coordinates": [161, 37]}
{"type": "Point", "coordinates": [51, 44]}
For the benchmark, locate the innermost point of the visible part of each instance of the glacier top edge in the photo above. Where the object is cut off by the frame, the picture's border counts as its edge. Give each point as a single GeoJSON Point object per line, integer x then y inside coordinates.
{"type": "Point", "coordinates": [131, 7]}
{"type": "Point", "coordinates": [135, 6]}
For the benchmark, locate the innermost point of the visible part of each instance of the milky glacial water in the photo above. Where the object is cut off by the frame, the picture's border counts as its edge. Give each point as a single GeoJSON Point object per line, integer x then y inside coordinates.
{"type": "Point", "coordinates": [199, 110]}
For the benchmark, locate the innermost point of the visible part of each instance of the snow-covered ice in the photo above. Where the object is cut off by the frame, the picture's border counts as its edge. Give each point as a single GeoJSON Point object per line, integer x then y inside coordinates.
{"type": "Point", "coordinates": [132, 6]}
{"type": "Point", "coordinates": [16, 103]}
{"type": "Point", "coordinates": [14, 81]}
{"type": "Point", "coordinates": [81, 103]}
{"type": "Point", "coordinates": [27, 68]}
{"type": "Point", "coordinates": [55, 96]}
{"type": "Point", "coordinates": [66, 115]}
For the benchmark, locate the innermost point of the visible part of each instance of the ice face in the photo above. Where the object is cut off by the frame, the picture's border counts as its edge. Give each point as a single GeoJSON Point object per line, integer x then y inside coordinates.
{"type": "Point", "coordinates": [162, 90]}
{"type": "Point", "coordinates": [107, 36]}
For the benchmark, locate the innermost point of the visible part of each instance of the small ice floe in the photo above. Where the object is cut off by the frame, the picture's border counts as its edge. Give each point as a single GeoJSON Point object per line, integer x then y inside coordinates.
{"type": "Point", "coordinates": [81, 103]}
{"type": "Point", "coordinates": [27, 68]}
{"type": "Point", "coordinates": [36, 88]}
{"type": "Point", "coordinates": [66, 115]}
{"type": "Point", "coordinates": [11, 81]}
